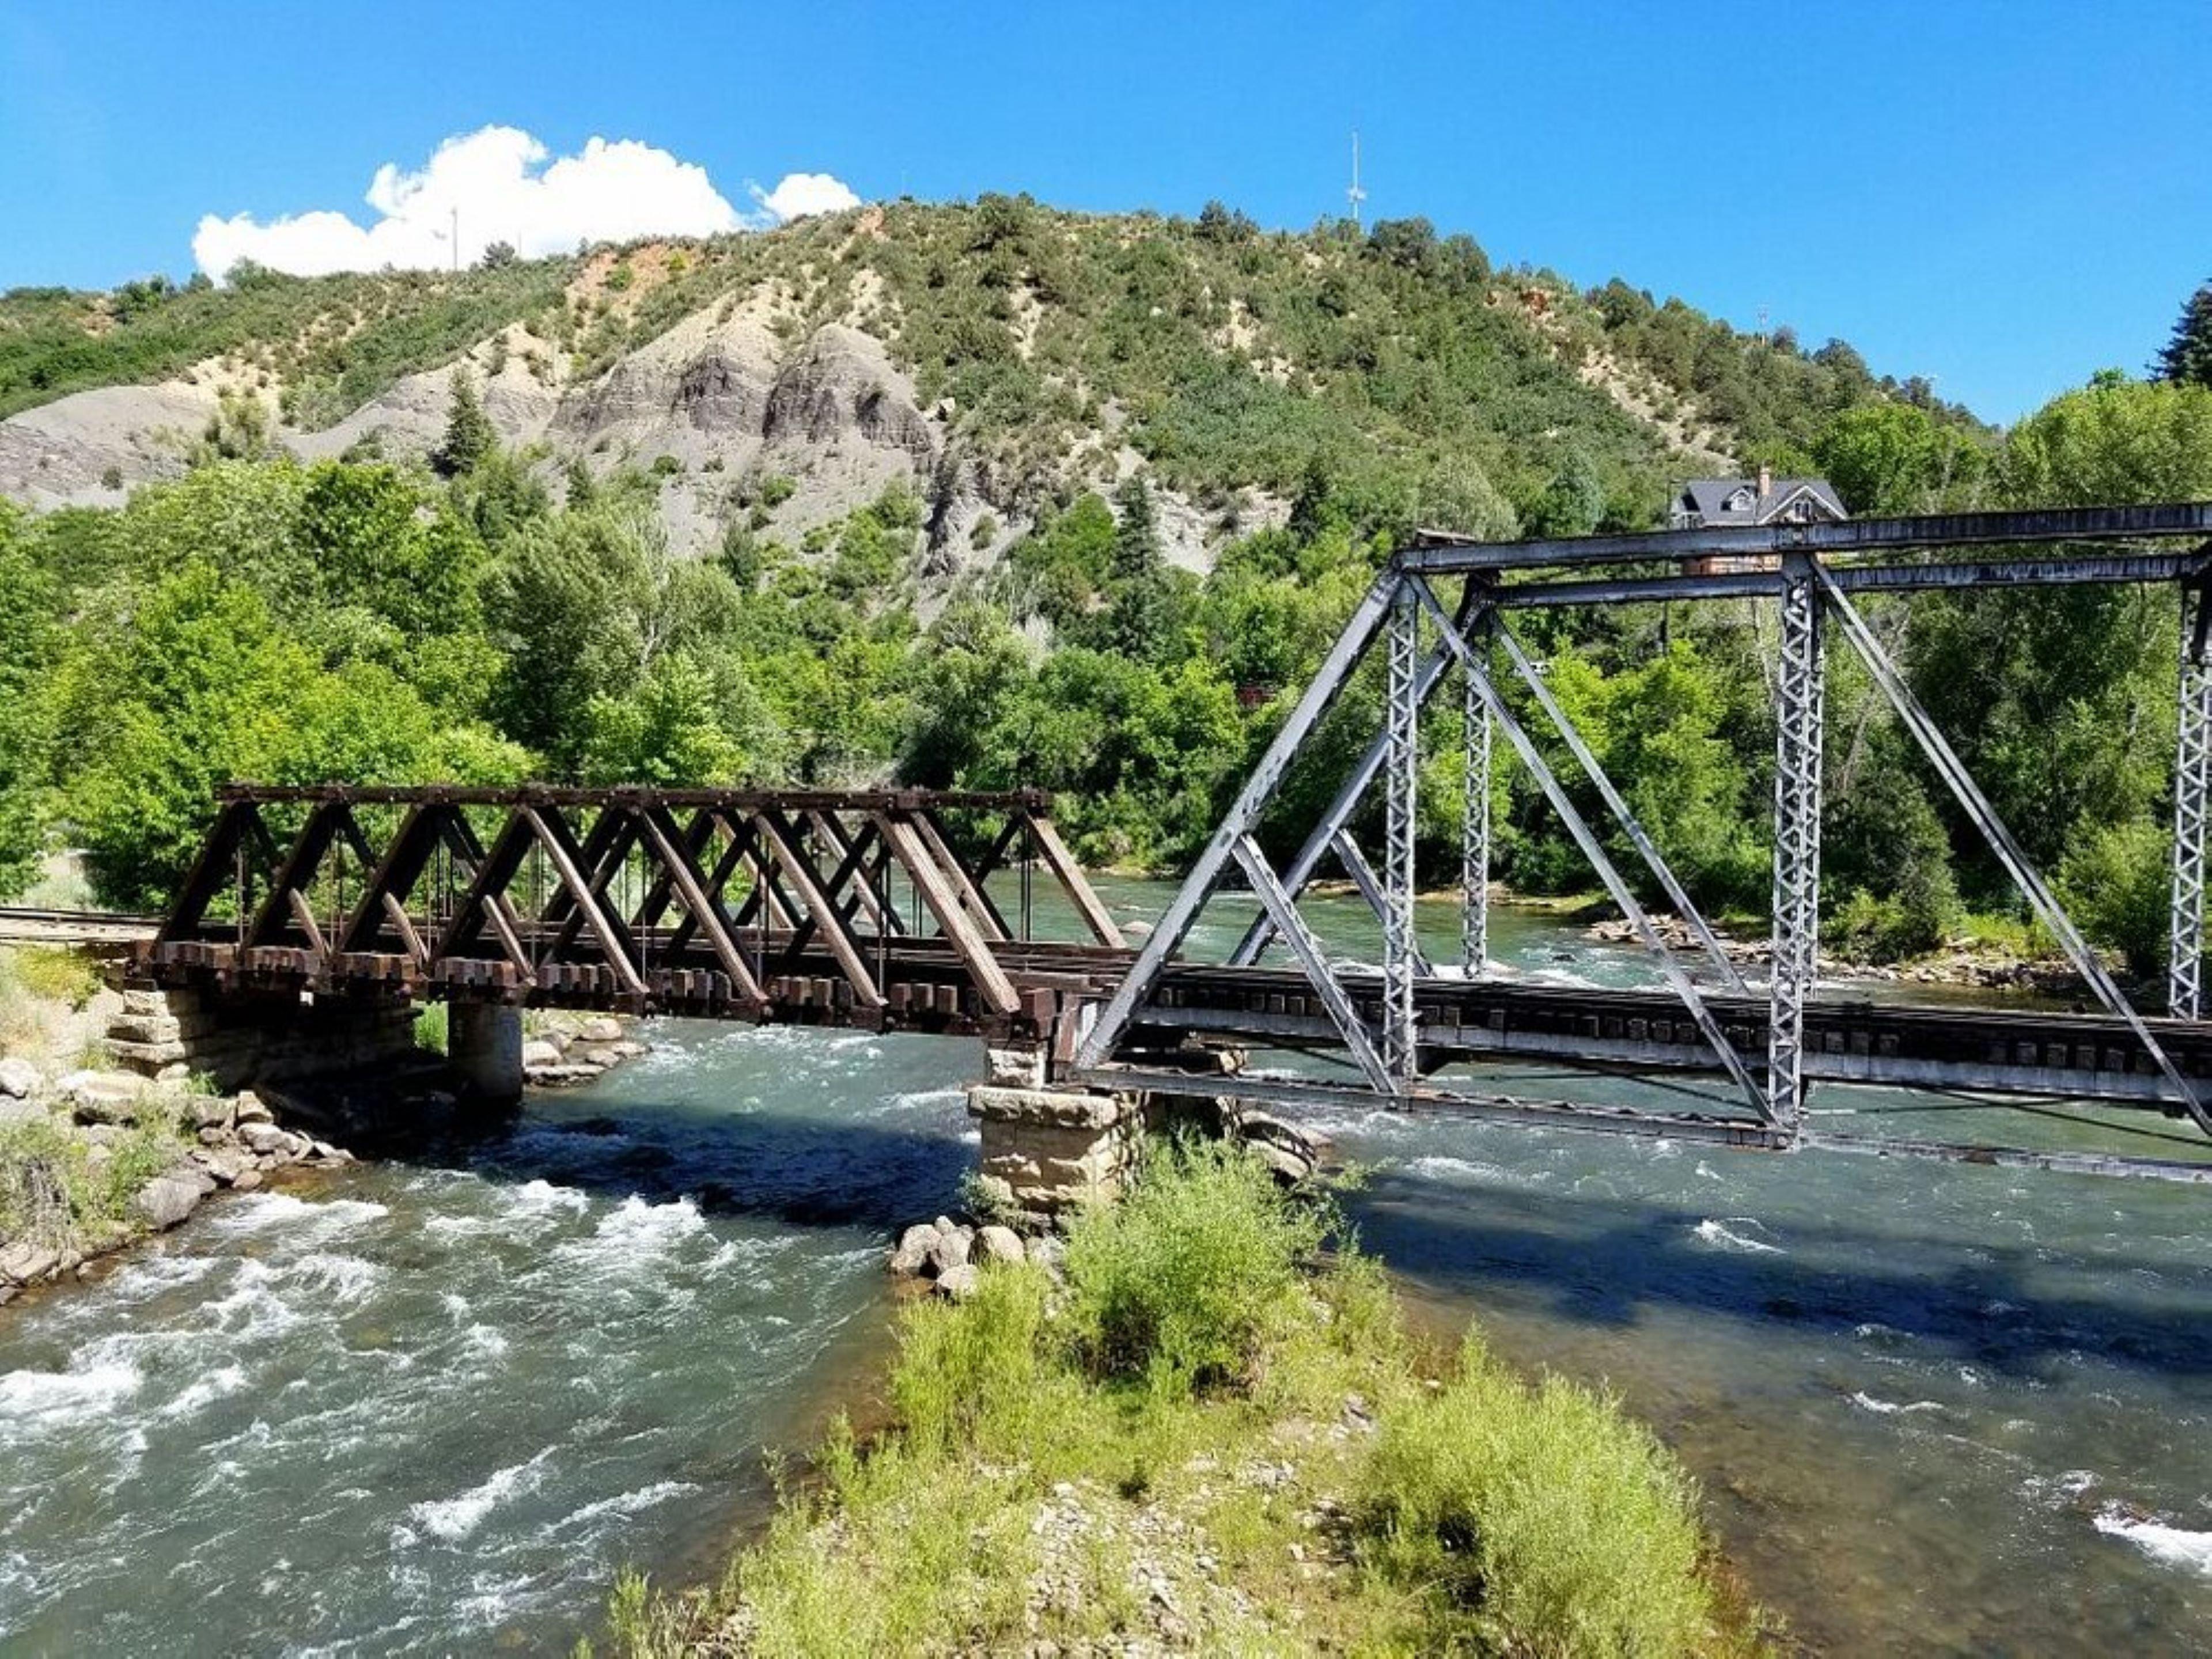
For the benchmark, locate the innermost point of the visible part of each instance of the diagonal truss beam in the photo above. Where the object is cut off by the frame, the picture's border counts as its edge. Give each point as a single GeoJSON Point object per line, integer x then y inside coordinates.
{"type": "Point", "coordinates": [677, 851]}
{"type": "Point", "coordinates": [1954, 772]}
{"type": "Point", "coordinates": [1533, 758]}
{"type": "Point", "coordinates": [1322, 837]}
{"type": "Point", "coordinates": [1306, 948]}
{"type": "Point", "coordinates": [1676, 895]}
{"type": "Point", "coordinates": [1369, 886]}
{"type": "Point", "coordinates": [1243, 818]}
{"type": "Point", "coordinates": [959, 928]}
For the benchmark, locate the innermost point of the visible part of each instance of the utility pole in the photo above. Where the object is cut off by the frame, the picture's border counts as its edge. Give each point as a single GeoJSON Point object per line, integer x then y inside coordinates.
{"type": "Point", "coordinates": [1355, 196]}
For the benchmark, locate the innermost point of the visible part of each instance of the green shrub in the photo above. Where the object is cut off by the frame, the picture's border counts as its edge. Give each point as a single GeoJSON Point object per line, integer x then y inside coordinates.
{"type": "Point", "coordinates": [1535, 1519]}
{"type": "Point", "coordinates": [433, 1025]}
{"type": "Point", "coordinates": [1180, 1284]}
{"type": "Point", "coordinates": [957, 1363]}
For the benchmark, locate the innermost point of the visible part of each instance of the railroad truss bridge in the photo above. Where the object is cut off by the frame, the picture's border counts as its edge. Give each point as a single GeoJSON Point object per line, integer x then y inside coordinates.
{"type": "Point", "coordinates": [963, 912]}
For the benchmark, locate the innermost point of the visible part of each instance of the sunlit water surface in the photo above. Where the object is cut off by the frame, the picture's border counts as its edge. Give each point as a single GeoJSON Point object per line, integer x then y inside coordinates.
{"type": "Point", "coordinates": [434, 1407]}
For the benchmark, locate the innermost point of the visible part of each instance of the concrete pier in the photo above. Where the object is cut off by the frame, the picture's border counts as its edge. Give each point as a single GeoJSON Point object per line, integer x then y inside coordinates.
{"type": "Point", "coordinates": [483, 1045]}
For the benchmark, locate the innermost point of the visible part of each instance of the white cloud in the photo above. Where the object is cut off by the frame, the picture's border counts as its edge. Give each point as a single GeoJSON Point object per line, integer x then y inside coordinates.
{"type": "Point", "coordinates": [503, 189]}
{"type": "Point", "coordinates": [803, 193]}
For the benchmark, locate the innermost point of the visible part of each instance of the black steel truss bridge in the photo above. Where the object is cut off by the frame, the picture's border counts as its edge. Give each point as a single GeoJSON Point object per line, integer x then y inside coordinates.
{"type": "Point", "coordinates": [964, 911]}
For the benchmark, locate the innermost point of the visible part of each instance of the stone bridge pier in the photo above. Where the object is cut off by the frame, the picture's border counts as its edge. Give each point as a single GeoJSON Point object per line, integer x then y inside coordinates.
{"type": "Point", "coordinates": [267, 1040]}
{"type": "Point", "coordinates": [1051, 1144]}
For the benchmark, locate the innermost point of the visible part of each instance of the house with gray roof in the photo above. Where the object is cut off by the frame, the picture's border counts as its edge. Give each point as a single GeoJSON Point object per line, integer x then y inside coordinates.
{"type": "Point", "coordinates": [1715, 504]}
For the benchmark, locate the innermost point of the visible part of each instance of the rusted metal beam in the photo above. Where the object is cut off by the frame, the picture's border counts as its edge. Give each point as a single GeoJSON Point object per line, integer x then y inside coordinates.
{"type": "Point", "coordinates": [968, 942]}
{"type": "Point", "coordinates": [1045, 836]}
{"type": "Point", "coordinates": [821, 912]}
{"type": "Point", "coordinates": [678, 861]}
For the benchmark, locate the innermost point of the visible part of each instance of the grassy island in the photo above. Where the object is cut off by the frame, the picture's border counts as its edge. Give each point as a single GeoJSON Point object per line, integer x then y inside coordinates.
{"type": "Point", "coordinates": [1207, 1430]}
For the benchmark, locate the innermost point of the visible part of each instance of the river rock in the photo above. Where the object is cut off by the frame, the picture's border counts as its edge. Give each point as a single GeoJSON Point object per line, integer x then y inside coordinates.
{"type": "Point", "coordinates": [265, 1139]}
{"type": "Point", "coordinates": [102, 1097]}
{"type": "Point", "coordinates": [247, 1180]}
{"type": "Point", "coordinates": [912, 1254]}
{"type": "Point", "coordinates": [213, 1113]}
{"type": "Point", "coordinates": [19, 1078]}
{"type": "Point", "coordinates": [1286, 1166]}
{"type": "Point", "coordinates": [538, 1054]}
{"type": "Point", "coordinates": [601, 1057]}
{"type": "Point", "coordinates": [249, 1108]}
{"type": "Point", "coordinates": [25, 1262]}
{"type": "Point", "coordinates": [167, 1200]}
{"type": "Point", "coordinates": [225, 1163]}
{"type": "Point", "coordinates": [600, 1029]}
{"type": "Point", "coordinates": [998, 1244]}
{"type": "Point", "coordinates": [959, 1281]}
{"type": "Point", "coordinates": [949, 1249]}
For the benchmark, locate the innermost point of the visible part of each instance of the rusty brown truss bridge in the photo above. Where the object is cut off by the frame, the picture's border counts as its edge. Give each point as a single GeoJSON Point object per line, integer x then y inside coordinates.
{"type": "Point", "coordinates": [930, 911]}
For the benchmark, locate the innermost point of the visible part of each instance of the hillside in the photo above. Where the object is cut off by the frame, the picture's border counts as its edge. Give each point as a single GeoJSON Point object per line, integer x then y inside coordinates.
{"type": "Point", "coordinates": [1002, 357]}
{"type": "Point", "coordinates": [992, 495]}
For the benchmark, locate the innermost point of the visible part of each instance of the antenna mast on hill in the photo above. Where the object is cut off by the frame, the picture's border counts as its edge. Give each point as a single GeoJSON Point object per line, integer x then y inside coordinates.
{"type": "Point", "coordinates": [1355, 196]}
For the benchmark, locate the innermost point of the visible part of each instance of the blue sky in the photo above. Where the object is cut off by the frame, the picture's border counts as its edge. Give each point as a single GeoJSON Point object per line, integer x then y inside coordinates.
{"type": "Point", "coordinates": [2006, 196]}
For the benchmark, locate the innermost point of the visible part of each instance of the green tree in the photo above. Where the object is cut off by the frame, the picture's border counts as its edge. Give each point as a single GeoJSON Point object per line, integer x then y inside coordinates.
{"type": "Point", "coordinates": [29, 638]}
{"type": "Point", "coordinates": [2187, 357]}
{"type": "Point", "coordinates": [2115, 441]}
{"type": "Point", "coordinates": [469, 435]}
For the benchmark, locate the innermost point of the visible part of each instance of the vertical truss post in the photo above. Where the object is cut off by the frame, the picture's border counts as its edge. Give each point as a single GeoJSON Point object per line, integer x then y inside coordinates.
{"type": "Point", "coordinates": [1799, 687]}
{"type": "Point", "coordinates": [2192, 790]}
{"type": "Point", "coordinates": [1474, 835]}
{"type": "Point", "coordinates": [1401, 777]}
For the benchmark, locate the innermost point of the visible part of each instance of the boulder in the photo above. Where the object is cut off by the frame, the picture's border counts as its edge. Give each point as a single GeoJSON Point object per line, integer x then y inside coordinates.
{"type": "Point", "coordinates": [949, 1249]}
{"type": "Point", "coordinates": [998, 1244]}
{"type": "Point", "coordinates": [165, 1200]}
{"type": "Point", "coordinates": [263, 1139]}
{"type": "Point", "coordinates": [102, 1097]}
{"type": "Point", "coordinates": [1287, 1166]}
{"type": "Point", "coordinates": [249, 1108]}
{"type": "Point", "coordinates": [538, 1054]}
{"type": "Point", "coordinates": [212, 1113]}
{"type": "Point", "coordinates": [19, 1078]}
{"type": "Point", "coordinates": [959, 1282]}
{"type": "Point", "coordinates": [247, 1180]}
{"type": "Point", "coordinates": [600, 1056]}
{"type": "Point", "coordinates": [24, 1262]}
{"type": "Point", "coordinates": [225, 1163]}
{"type": "Point", "coordinates": [600, 1029]}
{"type": "Point", "coordinates": [912, 1254]}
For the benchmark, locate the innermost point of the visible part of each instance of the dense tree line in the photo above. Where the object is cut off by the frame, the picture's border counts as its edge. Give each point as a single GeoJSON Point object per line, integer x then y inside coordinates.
{"type": "Point", "coordinates": [267, 619]}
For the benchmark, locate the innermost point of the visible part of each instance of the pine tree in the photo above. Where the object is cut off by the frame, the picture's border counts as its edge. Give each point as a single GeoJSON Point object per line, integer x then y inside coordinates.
{"type": "Point", "coordinates": [2188, 356]}
{"type": "Point", "coordinates": [470, 435]}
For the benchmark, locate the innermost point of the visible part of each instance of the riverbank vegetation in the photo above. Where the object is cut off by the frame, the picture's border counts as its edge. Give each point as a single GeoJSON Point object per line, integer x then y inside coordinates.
{"type": "Point", "coordinates": [1202, 1435]}
{"type": "Point", "coordinates": [488, 616]}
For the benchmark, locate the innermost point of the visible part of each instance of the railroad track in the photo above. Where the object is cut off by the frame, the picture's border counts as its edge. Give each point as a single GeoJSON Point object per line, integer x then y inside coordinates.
{"type": "Point", "coordinates": [92, 929]}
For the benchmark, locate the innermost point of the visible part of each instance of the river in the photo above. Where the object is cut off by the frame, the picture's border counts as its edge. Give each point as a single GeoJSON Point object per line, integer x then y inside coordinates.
{"type": "Point", "coordinates": [433, 1407]}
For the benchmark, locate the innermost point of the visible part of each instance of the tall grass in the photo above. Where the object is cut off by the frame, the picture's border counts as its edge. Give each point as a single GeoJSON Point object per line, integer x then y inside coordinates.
{"type": "Point", "coordinates": [1197, 1337]}
{"type": "Point", "coordinates": [1182, 1283]}
{"type": "Point", "coordinates": [1536, 1520]}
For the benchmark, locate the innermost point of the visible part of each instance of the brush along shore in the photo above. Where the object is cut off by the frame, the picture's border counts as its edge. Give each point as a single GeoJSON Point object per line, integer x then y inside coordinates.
{"type": "Point", "coordinates": [1206, 1432]}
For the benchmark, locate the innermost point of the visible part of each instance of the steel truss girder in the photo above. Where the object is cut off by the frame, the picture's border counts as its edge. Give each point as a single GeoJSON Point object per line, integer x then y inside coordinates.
{"type": "Point", "coordinates": [1401, 783]}
{"type": "Point", "coordinates": [1243, 816]}
{"type": "Point", "coordinates": [2192, 800]}
{"type": "Point", "coordinates": [1593, 850]}
{"type": "Point", "coordinates": [2000, 841]}
{"type": "Point", "coordinates": [1474, 832]}
{"type": "Point", "coordinates": [1799, 698]}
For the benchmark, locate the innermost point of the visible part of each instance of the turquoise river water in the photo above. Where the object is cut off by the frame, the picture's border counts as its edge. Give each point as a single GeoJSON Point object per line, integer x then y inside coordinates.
{"type": "Point", "coordinates": [434, 1407]}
